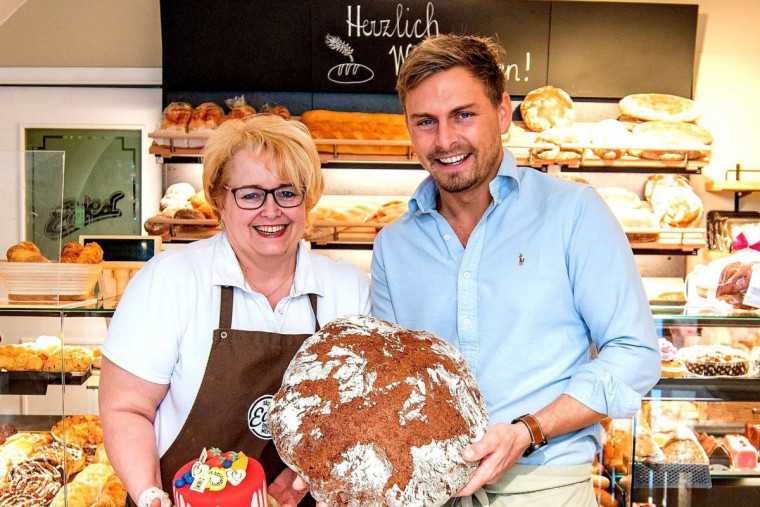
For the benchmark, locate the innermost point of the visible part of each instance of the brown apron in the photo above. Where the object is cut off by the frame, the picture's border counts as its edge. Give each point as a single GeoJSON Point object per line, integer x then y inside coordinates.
{"type": "Point", "coordinates": [244, 371]}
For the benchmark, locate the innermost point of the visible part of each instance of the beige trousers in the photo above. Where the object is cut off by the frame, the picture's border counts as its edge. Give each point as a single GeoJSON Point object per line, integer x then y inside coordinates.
{"type": "Point", "coordinates": [537, 486]}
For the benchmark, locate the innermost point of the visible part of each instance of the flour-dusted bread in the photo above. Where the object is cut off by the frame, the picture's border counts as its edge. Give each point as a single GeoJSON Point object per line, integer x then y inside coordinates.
{"type": "Point", "coordinates": [676, 140]}
{"type": "Point", "coordinates": [375, 415]}
{"type": "Point", "coordinates": [612, 137]}
{"type": "Point", "coordinates": [547, 107]}
{"type": "Point", "coordinates": [674, 201]}
{"type": "Point", "coordinates": [555, 144]}
{"type": "Point", "coordinates": [659, 106]}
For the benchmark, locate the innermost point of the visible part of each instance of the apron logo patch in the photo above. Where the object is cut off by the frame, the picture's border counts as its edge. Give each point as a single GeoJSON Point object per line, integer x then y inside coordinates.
{"type": "Point", "coordinates": [257, 417]}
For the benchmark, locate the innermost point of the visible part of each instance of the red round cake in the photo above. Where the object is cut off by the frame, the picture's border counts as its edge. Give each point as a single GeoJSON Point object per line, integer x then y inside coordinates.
{"type": "Point", "coordinates": [218, 479]}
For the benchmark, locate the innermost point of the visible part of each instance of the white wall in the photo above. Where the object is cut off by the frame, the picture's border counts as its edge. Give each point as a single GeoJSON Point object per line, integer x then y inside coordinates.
{"type": "Point", "coordinates": [134, 108]}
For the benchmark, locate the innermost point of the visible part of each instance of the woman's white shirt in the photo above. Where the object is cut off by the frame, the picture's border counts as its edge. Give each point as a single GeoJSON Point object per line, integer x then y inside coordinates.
{"type": "Point", "coordinates": [162, 329]}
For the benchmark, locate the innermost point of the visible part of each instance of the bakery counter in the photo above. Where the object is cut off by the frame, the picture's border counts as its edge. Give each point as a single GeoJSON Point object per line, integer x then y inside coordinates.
{"type": "Point", "coordinates": [89, 308]}
{"type": "Point", "coordinates": [708, 389]}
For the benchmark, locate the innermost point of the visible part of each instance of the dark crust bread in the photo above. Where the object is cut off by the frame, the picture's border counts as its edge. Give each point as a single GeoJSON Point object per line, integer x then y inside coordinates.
{"type": "Point", "coordinates": [373, 414]}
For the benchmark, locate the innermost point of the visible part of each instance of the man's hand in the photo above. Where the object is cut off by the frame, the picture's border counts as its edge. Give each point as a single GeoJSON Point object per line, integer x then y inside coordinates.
{"type": "Point", "coordinates": [499, 449]}
{"type": "Point", "coordinates": [288, 488]}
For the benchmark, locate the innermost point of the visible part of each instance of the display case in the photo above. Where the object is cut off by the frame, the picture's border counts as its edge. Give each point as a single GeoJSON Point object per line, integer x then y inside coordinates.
{"type": "Point", "coordinates": [695, 441]}
{"type": "Point", "coordinates": [52, 323]}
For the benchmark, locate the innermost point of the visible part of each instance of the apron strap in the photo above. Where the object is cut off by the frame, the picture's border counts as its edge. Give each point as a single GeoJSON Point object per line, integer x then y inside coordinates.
{"type": "Point", "coordinates": [225, 308]}
{"type": "Point", "coordinates": [313, 301]}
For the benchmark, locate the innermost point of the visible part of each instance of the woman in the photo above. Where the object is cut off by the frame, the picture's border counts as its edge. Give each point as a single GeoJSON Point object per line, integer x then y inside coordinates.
{"type": "Point", "coordinates": [202, 336]}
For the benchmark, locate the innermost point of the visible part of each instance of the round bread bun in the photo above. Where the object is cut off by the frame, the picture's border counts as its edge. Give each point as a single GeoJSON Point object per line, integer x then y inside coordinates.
{"type": "Point", "coordinates": [613, 136]}
{"type": "Point", "coordinates": [659, 106]}
{"type": "Point", "coordinates": [374, 414]}
{"type": "Point", "coordinates": [560, 137]}
{"type": "Point", "coordinates": [674, 202]}
{"type": "Point", "coordinates": [672, 137]}
{"type": "Point", "coordinates": [241, 111]}
{"type": "Point", "coordinates": [206, 116]}
{"type": "Point", "coordinates": [189, 214]}
{"type": "Point", "coordinates": [619, 197]}
{"type": "Point", "coordinates": [180, 191]}
{"type": "Point", "coordinates": [156, 228]}
{"type": "Point", "coordinates": [547, 107]}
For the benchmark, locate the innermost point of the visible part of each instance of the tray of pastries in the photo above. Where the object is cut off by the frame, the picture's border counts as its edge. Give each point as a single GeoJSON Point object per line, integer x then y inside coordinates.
{"type": "Point", "coordinates": [716, 361]}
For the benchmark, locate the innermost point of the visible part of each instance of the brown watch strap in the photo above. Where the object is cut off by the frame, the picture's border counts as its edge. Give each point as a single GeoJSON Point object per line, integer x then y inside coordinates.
{"type": "Point", "coordinates": [534, 427]}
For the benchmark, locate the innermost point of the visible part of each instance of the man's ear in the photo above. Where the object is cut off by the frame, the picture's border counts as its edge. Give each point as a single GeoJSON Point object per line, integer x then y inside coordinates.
{"type": "Point", "coordinates": [505, 112]}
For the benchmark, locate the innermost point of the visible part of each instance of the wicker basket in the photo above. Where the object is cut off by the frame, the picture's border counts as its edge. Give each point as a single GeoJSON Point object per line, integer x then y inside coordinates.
{"type": "Point", "coordinates": [38, 281]}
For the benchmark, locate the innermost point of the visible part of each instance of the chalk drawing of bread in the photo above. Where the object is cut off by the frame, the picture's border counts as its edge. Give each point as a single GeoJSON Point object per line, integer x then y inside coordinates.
{"type": "Point", "coordinates": [346, 73]}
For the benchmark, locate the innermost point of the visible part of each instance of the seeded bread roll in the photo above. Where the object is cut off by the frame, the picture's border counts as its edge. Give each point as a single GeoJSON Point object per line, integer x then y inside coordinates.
{"type": "Point", "coordinates": [375, 415]}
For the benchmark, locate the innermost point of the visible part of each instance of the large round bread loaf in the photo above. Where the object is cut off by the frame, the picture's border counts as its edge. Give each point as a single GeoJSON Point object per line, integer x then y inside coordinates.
{"type": "Point", "coordinates": [372, 414]}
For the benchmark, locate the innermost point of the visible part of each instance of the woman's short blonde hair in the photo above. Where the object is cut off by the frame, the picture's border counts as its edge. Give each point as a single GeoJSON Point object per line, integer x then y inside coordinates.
{"type": "Point", "coordinates": [286, 142]}
{"type": "Point", "coordinates": [478, 55]}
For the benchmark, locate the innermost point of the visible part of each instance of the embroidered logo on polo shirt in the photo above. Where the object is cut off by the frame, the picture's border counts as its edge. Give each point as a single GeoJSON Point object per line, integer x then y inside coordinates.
{"type": "Point", "coordinates": [520, 260]}
{"type": "Point", "coordinates": [257, 417]}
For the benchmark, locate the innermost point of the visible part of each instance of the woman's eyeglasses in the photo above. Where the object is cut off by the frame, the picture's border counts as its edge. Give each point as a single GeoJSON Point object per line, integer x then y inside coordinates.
{"type": "Point", "coordinates": [250, 198]}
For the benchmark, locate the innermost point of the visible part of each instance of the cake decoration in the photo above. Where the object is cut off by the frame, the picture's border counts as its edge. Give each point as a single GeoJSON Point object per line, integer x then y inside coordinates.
{"type": "Point", "coordinates": [220, 478]}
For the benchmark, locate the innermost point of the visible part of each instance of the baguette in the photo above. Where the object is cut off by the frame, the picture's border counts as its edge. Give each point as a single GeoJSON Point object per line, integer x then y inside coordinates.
{"type": "Point", "coordinates": [370, 126]}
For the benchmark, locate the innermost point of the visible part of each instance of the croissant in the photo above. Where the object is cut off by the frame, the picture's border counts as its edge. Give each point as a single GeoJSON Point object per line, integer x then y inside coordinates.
{"type": "Point", "coordinates": [91, 254]}
{"type": "Point", "coordinates": [78, 496]}
{"type": "Point", "coordinates": [70, 252]}
{"type": "Point", "coordinates": [113, 494]}
{"type": "Point", "coordinates": [25, 251]}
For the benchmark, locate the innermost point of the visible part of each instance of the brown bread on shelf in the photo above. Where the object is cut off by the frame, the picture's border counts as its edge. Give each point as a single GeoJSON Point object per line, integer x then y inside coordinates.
{"type": "Point", "coordinates": [363, 126]}
{"type": "Point", "coordinates": [547, 107]}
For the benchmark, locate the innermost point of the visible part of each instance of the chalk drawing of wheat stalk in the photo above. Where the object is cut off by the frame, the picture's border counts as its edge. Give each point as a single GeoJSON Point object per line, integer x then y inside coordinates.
{"type": "Point", "coordinates": [346, 73]}
{"type": "Point", "coordinates": [336, 43]}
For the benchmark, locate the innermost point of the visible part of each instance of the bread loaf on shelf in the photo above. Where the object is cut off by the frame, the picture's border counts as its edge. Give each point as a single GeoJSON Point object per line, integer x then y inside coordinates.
{"type": "Point", "coordinates": [364, 126]}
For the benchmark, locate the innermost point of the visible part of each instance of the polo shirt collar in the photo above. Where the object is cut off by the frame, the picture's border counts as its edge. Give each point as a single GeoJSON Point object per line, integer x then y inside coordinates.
{"type": "Point", "coordinates": [507, 179]}
{"type": "Point", "coordinates": [226, 270]}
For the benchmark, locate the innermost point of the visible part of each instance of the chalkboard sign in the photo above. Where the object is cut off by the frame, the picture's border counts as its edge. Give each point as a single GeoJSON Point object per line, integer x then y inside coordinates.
{"type": "Point", "coordinates": [613, 49]}
{"type": "Point", "coordinates": [236, 44]}
{"type": "Point", "coordinates": [355, 47]}
{"type": "Point", "coordinates": [358, 46]}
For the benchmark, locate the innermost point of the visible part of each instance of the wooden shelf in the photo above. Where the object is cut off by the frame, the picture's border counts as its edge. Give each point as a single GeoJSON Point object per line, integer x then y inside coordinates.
{"type": "Point", "coordinates": [336, 153]}
{"type": "Point", "coordinates": [732, 186]}
{"type": "Point", "coordinates": [180, 230]}
{"type": "Point", "coordinates": [342, 235]}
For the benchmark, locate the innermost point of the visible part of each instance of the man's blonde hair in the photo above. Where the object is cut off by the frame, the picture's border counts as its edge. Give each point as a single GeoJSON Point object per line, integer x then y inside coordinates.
{"type": "Point", "coordinates": [286, 142]}
{"type": "Point", "coordinates": [439, 53]}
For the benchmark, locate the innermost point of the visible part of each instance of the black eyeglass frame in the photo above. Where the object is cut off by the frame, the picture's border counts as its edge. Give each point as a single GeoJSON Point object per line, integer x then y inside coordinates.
{"type": "Point", "coordinates": [267, 192]}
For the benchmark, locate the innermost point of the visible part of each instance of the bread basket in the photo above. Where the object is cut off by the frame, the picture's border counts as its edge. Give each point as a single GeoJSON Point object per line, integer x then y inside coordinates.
{"type": "Point", "coordinates": [49, 281]}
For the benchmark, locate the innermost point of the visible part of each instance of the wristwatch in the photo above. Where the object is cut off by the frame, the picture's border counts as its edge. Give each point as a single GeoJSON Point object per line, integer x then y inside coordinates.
{"type": "Point", "coordinates": [537, 438]}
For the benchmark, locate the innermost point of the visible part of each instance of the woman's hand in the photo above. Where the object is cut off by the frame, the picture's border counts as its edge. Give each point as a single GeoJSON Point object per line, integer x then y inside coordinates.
{"type": "Point", "coordinates": [499, 449]}
{"type": "Point", "coordinates": [288, 488]}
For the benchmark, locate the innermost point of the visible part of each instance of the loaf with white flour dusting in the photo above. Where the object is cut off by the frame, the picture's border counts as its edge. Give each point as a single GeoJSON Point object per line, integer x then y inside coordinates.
{"type": "Point", "coordinates": [376, 415]}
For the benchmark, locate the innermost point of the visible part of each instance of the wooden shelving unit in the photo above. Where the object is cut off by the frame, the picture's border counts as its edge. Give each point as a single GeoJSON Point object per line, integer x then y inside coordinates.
{"type": "Point", "coordinates": [336, 153]}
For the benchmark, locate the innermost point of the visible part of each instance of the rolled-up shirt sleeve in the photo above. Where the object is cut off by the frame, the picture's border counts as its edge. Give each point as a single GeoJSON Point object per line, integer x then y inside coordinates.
{"type": "Point", "coordinates": [609, 296]}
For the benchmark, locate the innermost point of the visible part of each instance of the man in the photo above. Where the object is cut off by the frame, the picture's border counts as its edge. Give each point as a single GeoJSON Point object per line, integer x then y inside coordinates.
{"type": "Point", "coordinates": [522, 272]}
